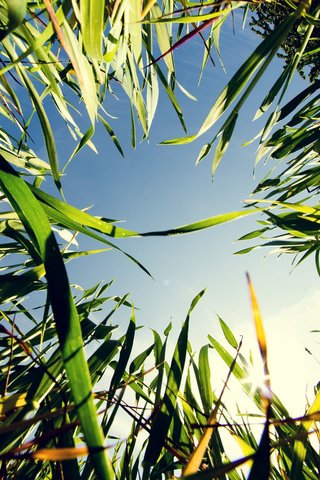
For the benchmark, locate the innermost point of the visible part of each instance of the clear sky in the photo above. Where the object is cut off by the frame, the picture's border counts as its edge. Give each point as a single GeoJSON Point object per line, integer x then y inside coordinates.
{"type": "Point", "coordinates": [158, 187]}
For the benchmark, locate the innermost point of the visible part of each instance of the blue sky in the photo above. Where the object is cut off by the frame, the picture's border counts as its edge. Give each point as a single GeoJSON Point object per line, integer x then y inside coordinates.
{"type": "Point", "coordinates": [158, 187]}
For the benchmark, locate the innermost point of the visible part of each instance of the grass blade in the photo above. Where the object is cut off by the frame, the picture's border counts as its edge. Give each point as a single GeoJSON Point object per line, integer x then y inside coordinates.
{"type": "Point", "coordinates": [261, 466]}
{"type": "Point", "coordinates": [300, 448]}
{"type": "Point", "coordinates": [92, 22]}
{"type": "Point", "coordinates": [198, 453]}
{"type": "Point", "coordinates": [65, 313]}
{"type": "Point", "coordinates": [207, 223]}
{"type": "Point", "coordinates": [243, 75]}
{"type": "Point", "coordinates": [162, 420]}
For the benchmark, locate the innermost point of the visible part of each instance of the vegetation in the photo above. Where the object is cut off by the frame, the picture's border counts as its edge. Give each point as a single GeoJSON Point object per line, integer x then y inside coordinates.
{"type": "Point", "coordinates": [269, 15]}
{"type": "Point", "coordinates": [57, 423]}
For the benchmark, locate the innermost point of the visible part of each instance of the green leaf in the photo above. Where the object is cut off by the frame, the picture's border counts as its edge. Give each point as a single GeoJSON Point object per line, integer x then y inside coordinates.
{"type": "Point", "coordinates": [228, 334]}
{"type": "Point", "coordinates": [111, 133]}
{"type": "Point", "coordinates": [207, 223]}
{"type": "Point", "coordinates": [205, 387]}
{"type": "Point", "coordinates": [83, 218]}
{"type": "Point", "coordinates": [65, 313]}
{"type": "Point", "coordinates": [140, 359]}
{"type": "Point", "coordinates": [83, 141]}
{"type": "Point", "coordinates": [83, 71]}
{"type": "Point", "coordinates": [164, 416]}
{"type": "Point", "coordinates": [219, 471]}
{"type": "Point", "coordinates": [45, 125]}
{"type": "Point", "coordinates": [300, 445]}
{"type": "Point", "coordinates": [298, 99]}
{"type": "Point", "coordinates": [266, 50]}
{"type": "Point", "coordinates": [224, 142]}
{"type": "Point", "coordinates": [16, 10]}
{"type": "Point", "coordinates": [124, 356]}
{"type": "Point", "coordinates": [92, 23]}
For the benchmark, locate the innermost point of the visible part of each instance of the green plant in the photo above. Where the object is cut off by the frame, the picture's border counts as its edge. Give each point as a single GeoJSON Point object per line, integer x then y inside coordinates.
{"type": "Point", "coordinates": [54, 55]}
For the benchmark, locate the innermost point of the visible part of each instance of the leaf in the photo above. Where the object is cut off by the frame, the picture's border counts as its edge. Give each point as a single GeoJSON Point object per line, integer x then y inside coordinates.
{"type": "Point", "coordinates": [13, 286]}
{"type": "Point", "coordinates": [163, 38]}
{"type": "Point", "coordinates": [228, 334]}
{"type": "Point", "coordinates": [261, 337]}
{"type": "Point", "coordinates": [218, 471]}
{"type": "Point", "coordinates": [80, 216]}
{"type": "Point", "coordinates": [133, 29]}
{"type": "Point", "coordinates": [92, 23]}
{"type": "Point", "coordinates": [16, 400]}
{"type": "Point", "coordinates": [164, 416]}
{"type": "Point", "coordinates": [191, 18]}
{"type": "Point", "coordinates": [65, 313]}
{"type": "Point", "coordinates": [140, 359]}
{"type": "Point", "coordinates": [298, 99]}
{"type": "Point", "coordinates": [198, 453]}
{"type": "Point", "coordinates": [170, 94]}
{"type": "Point", "coordinates": [205, 150]}
{"type": "Point", "coordinates": [124, 356]}
{"type": "Point", "coordinates": [224, 142]}
{"type": "Point", "coordinates": [267, 101]}
{"type": "Point", "coordinates": [83, 141]}
{"type": "Point", "coordinates": [207, 223]}
{"type": "Point", "coordinates": [300, 447]}
{"type": "Point", "coordinates": [45, 125]}
{"type": "Point", "coordinates": [111, 133]}
{"type": "Point", "coordinates": [266, 50]}
{"type": "Point", "coordinates": [260, 469]}
{"type": "Point", "coordinates": [238, 371]}
{"type": "Point", "coordinates": [205, 387]}
{"type": "Point", "coordinates": [16, 10]}
{"type": "Point", "coordinates": [83, 71]}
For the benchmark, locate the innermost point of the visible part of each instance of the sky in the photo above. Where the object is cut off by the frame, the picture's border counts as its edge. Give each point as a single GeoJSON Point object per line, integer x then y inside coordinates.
{"type": "Point", "coordinates": [158, 187]}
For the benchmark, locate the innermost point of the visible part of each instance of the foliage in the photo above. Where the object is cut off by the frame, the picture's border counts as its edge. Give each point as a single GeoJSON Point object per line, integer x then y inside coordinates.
{"type": "Point", "coordinates": [269, 15]}
{"type": "Point", "coordinates": [54, 56]}
{"type": "Point", "coordinates": [40, 435]}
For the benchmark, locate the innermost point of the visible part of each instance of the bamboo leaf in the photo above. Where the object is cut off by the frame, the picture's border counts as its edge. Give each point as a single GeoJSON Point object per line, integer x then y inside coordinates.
{"type": "Point", "coordinates": [197, 455]}
{"type": "Point", "coordinates": [67, 322]}
{"type": "Point", "coordinates": [224, 142]}
{"type": "Point", "coordinates": [16, 400]}
{"type": "Point", "coordinates": [133, 28]}
{"type": "Point", "coordinates": [110, 131]}
{"type": "Point", "coordinates": [261, 337]}
{"type": "Point", "coordinates": [207, 223]}
{"type": "Point", "coordinates": [267, 48]}
{"type": "Point", "coordinates": [80, 216]}
{"type": "Point", "coordinates": [163, 38]}
{"type": "Point", "coordinates": [44, 121]}
{"type": "Point", "coordinates": [205, 387]}
{"type": "Point", "coordinates": [300, 447]}
{"type": "Point", "coordinates": [163, 418]}
{"type": "Point", "coordinates": [83, 71]}
{"type": "Point", "coordinates": [16, 10]}
{"type": "Point", "coordinates": [92, 23]}
{"type": "Point", "coordinates": [192, 18]}
{"type": "Point", "coordinates": [260, 469]}
{"type": "Point", "coordinates": [83, 141]}
{"type": "Point", "coordinates": [218, 471]}
{"type": "Point", "coordinates": [124, 356]}
{"type": "Point", "coordinates": [228, 334]}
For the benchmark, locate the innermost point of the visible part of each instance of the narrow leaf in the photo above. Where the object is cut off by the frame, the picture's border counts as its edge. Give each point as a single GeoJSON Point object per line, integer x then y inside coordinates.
{"type": "Point", "coordinates": [65, 313]}
{"type": "Point", "coordinates": [163, 418]}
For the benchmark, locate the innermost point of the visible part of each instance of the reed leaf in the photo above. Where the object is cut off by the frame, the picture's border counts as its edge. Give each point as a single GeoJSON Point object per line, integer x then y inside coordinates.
{"type": "Point", "coordinates": [164, 416]}
{"type": "Point", "coordinates": [92, 25]}
{"type": "Point", "coordinates": [64, 310]}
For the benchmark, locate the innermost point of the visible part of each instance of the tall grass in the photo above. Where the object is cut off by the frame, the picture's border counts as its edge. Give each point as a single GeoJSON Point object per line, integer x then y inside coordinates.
{"type": "Point", "coordinates": [56, 421]}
